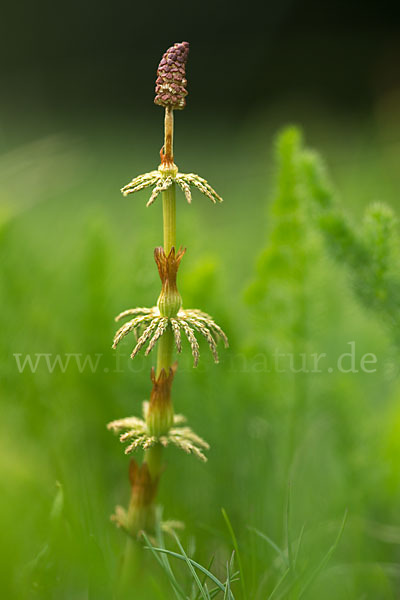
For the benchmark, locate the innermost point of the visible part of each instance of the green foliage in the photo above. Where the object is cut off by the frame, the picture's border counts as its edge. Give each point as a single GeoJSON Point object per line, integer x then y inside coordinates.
{"type": "Point", "coordinates": [305, 203]}
{"type": "Point", "coordinates": [279, 293]}
{"type": "Point", "coordinates": [292, 582]}
{"type": "Point", "coordinates": [62, 261]}
{"type": "Point", "coordinates": [200, 588]}
{"type": "Point", "coordinates": [370, 252]}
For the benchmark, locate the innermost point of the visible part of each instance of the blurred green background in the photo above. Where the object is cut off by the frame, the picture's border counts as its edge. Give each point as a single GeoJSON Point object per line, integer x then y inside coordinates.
{"type": "Point", "coordinates": [76, 124]}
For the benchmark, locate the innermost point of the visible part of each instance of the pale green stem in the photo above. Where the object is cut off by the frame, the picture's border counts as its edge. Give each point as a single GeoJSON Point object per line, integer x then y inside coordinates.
{"type": "Point", "coordinates": [153, 456]}
{"type": "Point", "coordinates": [164, 353]}
{"type": "Point", "coordinates": [169, 218]}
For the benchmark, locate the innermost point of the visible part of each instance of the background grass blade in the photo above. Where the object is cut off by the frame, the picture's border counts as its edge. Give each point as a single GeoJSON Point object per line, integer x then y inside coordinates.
{"type": "Point", "coordinates": [236, 547]}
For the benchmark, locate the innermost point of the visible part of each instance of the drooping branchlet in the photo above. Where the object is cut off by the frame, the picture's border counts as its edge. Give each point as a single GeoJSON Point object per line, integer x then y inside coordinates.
{"type": "Point", "coordinates": [163, 179]}
{"type": "Point", "coordinates": [150, 324]}
{"type": "Point", "coordinates": [171, 81]}
{"type": "Point", "coordinates": [136, 433]}
{"type": "Point", "coordinates": [154, 325]}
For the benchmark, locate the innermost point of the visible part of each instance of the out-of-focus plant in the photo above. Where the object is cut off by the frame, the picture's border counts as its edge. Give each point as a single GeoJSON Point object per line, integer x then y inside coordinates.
{"type": "Point", "coordinates": [280, 291]}
{"type": "Point", "coordinates": [306, 203]}
{"type": "Point", "coordinates": [370, 251]}
{"type": "Point", "coordinates": [305, 215]}
{"type": "Point", "coordinates": [166, 323]}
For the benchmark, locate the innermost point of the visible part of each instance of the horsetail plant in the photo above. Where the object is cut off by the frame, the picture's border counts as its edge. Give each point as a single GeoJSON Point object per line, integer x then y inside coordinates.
{"type": "Point", "coordinates": [368, 250]}
{"type": "Point", "coordinates": [166, 323]}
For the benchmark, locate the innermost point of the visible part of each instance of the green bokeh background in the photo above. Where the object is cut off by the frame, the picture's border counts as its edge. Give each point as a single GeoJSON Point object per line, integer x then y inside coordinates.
{"type": "Point", "coordinates": [75, 253]}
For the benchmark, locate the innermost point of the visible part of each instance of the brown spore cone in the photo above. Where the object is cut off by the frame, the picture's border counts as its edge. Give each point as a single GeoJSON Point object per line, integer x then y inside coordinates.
{"type": "Point", "coordinates": [171, 81]}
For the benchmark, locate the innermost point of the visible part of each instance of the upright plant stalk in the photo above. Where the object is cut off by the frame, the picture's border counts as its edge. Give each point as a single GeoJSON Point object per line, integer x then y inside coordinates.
{"type": "Point", "coordinates": [164, 323]}
{"type": "Point", "coordinates": [153, 456]}
{"type": "Point", "coordinates": [169, 219]}
{"type": "Point", "coordinates": [168, 197]}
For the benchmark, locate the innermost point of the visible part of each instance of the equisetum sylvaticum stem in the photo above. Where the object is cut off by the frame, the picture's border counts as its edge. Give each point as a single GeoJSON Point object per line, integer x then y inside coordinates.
{"type": "Point", "coordinates": [153, 456]}
{"type": "Point", "coordinates": [166, 324]}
